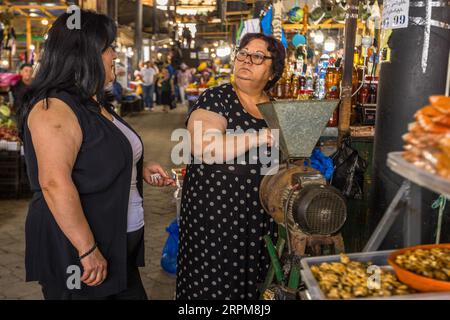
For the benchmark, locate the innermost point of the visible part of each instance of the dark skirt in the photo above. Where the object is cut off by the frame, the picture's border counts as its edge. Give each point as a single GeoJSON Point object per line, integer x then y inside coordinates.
{"type": "Point", "coordinates": [222, 254]}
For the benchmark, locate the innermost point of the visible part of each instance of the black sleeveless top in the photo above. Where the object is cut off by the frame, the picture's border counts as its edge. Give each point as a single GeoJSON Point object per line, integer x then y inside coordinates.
{"type": "Point", "coordinates": [102, 176]}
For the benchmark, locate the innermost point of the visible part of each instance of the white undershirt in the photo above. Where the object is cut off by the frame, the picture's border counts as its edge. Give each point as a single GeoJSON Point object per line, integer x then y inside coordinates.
{"type": "Point", "coordinates": [135, 219]}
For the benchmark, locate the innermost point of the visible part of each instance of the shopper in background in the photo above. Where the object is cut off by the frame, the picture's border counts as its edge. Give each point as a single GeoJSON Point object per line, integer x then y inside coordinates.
{"type": "Point", "coordinates": [222, 254]}
{"type": "Point", "coordinates": [19, 89]}
{"type": "Point", "coordinates": [184, 77]}
{"type": "Point", "coordinates": [167, 91]}
{"type": "Point", "coordinates": [154, 66]}
{"type": "Point", "coordinates": [148, 84]}
{"type": "Point", "coordinates": [159, 66]}
{"type": "Point", "coordinates": [86, 169]}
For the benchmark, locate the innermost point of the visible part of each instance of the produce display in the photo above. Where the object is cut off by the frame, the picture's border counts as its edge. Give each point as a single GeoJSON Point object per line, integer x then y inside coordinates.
{"type": "Point", "coordinates": [428, 140]}
{"type": "Point", "coordinates": [8, 130]}
{"type": "Point", "coordinates": [9, 134]}
{"type": "Point", "coordinates": [349, 279]}
{"type": "Point", "coordinates": [433, 263]}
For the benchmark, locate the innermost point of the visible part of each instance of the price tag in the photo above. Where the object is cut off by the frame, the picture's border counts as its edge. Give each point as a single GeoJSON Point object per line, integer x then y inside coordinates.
{"type": "Point", "coordinates": [395, 14]}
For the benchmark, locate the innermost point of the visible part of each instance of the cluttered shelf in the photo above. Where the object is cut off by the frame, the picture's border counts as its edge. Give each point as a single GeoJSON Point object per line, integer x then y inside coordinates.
{"type": "Point", "coordinates": [425, 179]}
{"type": "Point", "coordinates": [294, 27]}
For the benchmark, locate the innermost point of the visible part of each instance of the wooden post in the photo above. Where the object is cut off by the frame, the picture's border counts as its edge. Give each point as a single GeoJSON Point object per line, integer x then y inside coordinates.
{"type": "Point", "coordinates": [28, 50]}
{"type": "Point", "coordinates": [345, 108]}
{"type": "Point", "coordinates": [138, 35]}
{"type": "Point", "coordinates": [305, 19]}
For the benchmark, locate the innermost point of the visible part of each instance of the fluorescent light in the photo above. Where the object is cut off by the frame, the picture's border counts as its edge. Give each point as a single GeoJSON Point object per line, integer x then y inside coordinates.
{"type": "Point", "coordinates": [44, 22]}
{"type": "Point", "coordinates": [223, 51]}
{"type": "Point", "coordinates": [186, 11]}
{"type": "Point", "coordinates": [319, 37]}
{"type": "Point", "coordinates": [329, 44]}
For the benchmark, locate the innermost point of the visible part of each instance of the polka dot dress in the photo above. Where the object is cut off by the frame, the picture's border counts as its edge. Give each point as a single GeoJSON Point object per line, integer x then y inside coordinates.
{"type": "Point", "coordinates": [222, 254]}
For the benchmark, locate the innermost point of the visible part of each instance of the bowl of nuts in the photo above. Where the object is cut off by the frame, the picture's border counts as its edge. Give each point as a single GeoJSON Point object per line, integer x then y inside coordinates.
{"type": "Point", "coordinates": [425, 268]}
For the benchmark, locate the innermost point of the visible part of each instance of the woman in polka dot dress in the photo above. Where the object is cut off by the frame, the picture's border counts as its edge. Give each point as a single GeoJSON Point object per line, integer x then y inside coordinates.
{"type": "Point", "coordinates": [221, 252]}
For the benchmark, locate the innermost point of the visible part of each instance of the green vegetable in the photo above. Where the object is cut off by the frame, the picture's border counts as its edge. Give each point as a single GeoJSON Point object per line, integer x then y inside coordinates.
{"type": "Point", "coordinates": [4, 110]}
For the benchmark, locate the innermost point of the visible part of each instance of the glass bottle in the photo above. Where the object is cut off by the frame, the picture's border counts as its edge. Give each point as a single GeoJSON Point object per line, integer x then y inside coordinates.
{"type": "Point", "coordinates": [332, 80]}
{"type": "Point", "coordinates": [280, 86]}
{"type": "Point", "coordinates": [364, 94]}
{"type": "Point", "coordinates": [309, 85]}
{"type": "Point", "coordinates": [295, 87]}
{"type": "Point", "coordinates": [287, 87]}
{"type": "Point", "coordinates": [334, 120]}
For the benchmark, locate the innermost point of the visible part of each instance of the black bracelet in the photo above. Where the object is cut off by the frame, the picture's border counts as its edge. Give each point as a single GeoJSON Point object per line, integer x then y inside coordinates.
{"type": "Point", "coordinates": [89, 252]}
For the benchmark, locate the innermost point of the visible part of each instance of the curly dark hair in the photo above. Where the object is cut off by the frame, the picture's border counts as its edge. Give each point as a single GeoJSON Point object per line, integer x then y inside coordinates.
{"type": "Point", "coordinates": [277, 51]}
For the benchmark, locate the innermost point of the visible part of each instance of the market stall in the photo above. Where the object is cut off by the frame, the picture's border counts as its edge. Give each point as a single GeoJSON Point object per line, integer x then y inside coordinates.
{"type": "Point", "coordinates": [317, 75]}
{"type": "Point", "coordinates": [206, 75]}
{"type": "Point", "coordinates": [13, 176]}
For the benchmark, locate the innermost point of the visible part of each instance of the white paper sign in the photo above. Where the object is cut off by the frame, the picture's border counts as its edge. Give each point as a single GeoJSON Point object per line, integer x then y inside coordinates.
{"type": "Point", "coordinates": [203, 55]}
{"type": "Point", "coordinates": [395, 14]}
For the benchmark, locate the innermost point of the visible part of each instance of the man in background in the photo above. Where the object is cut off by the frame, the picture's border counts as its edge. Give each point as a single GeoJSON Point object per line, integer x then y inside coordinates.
{"type": "Point", "coordinates": [19, 89]}
{"type": "Point", "coordinates": [184, 77]}
{"type": "Point", "coordinates": [148, 85]}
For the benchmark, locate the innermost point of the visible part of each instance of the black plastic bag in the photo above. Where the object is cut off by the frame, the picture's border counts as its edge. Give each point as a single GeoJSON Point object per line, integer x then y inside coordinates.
{"type": "Point", "coordinates": [349, 170]}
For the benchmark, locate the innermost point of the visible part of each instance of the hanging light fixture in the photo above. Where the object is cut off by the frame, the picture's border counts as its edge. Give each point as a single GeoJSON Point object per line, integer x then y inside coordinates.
{"type": "Point", "coordinates": [223, 51]}
{"type": "Point", "coordinates": [319, 37]}
{"type": "Point", "coordinates": [329, 44]}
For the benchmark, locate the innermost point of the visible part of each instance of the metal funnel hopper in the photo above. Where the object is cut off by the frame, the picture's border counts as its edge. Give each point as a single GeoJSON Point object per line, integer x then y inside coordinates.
{"type": "Point", "coordinates": [301, 123]}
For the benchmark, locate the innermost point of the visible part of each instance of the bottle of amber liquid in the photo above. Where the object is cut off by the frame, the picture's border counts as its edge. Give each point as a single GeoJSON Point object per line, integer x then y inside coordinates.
{"type": "Point", "coordinates": [332, 83]}
{"type": "Point", "coordinates": [295, 87]}
{"type": "Point", "coordinates": [279, 92]}
{"type": "Point", "coordinates": [287, 87]}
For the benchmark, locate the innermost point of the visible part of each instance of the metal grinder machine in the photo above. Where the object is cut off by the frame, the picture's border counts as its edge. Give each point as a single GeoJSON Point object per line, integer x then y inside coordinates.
{"type": "Point", "coordinates": [309, 211]}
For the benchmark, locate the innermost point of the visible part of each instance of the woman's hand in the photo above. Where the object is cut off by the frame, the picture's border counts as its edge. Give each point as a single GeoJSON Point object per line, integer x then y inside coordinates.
{"type": "Point", "coordinates": [95, 269]}
{"type": "Point", "coordinates": [152, 169]}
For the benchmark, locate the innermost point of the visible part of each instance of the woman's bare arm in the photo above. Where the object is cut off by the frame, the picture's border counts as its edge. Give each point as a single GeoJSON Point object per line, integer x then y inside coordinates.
{"type": "Point", "coordinates": [213, 128]}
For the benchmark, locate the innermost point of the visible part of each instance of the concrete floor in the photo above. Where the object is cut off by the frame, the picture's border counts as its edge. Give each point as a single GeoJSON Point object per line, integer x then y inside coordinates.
{"type": "Point", "coordinates": [155, 129]}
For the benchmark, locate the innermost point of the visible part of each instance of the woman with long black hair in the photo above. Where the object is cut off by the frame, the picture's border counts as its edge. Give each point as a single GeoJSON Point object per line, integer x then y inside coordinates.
{"type": "Point", "coordinates": [84, 229]}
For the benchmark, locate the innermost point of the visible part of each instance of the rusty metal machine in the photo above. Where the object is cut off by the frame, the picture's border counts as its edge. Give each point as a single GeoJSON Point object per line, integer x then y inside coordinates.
{"type": "Point", "coordinates": [296, 195]}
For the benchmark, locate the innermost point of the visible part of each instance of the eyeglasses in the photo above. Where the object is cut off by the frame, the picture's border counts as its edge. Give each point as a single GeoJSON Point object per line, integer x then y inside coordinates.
{"type": "Point", "coordinates": [112, 46]}
{"type": "Point", "coordinates": [256, 57]}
